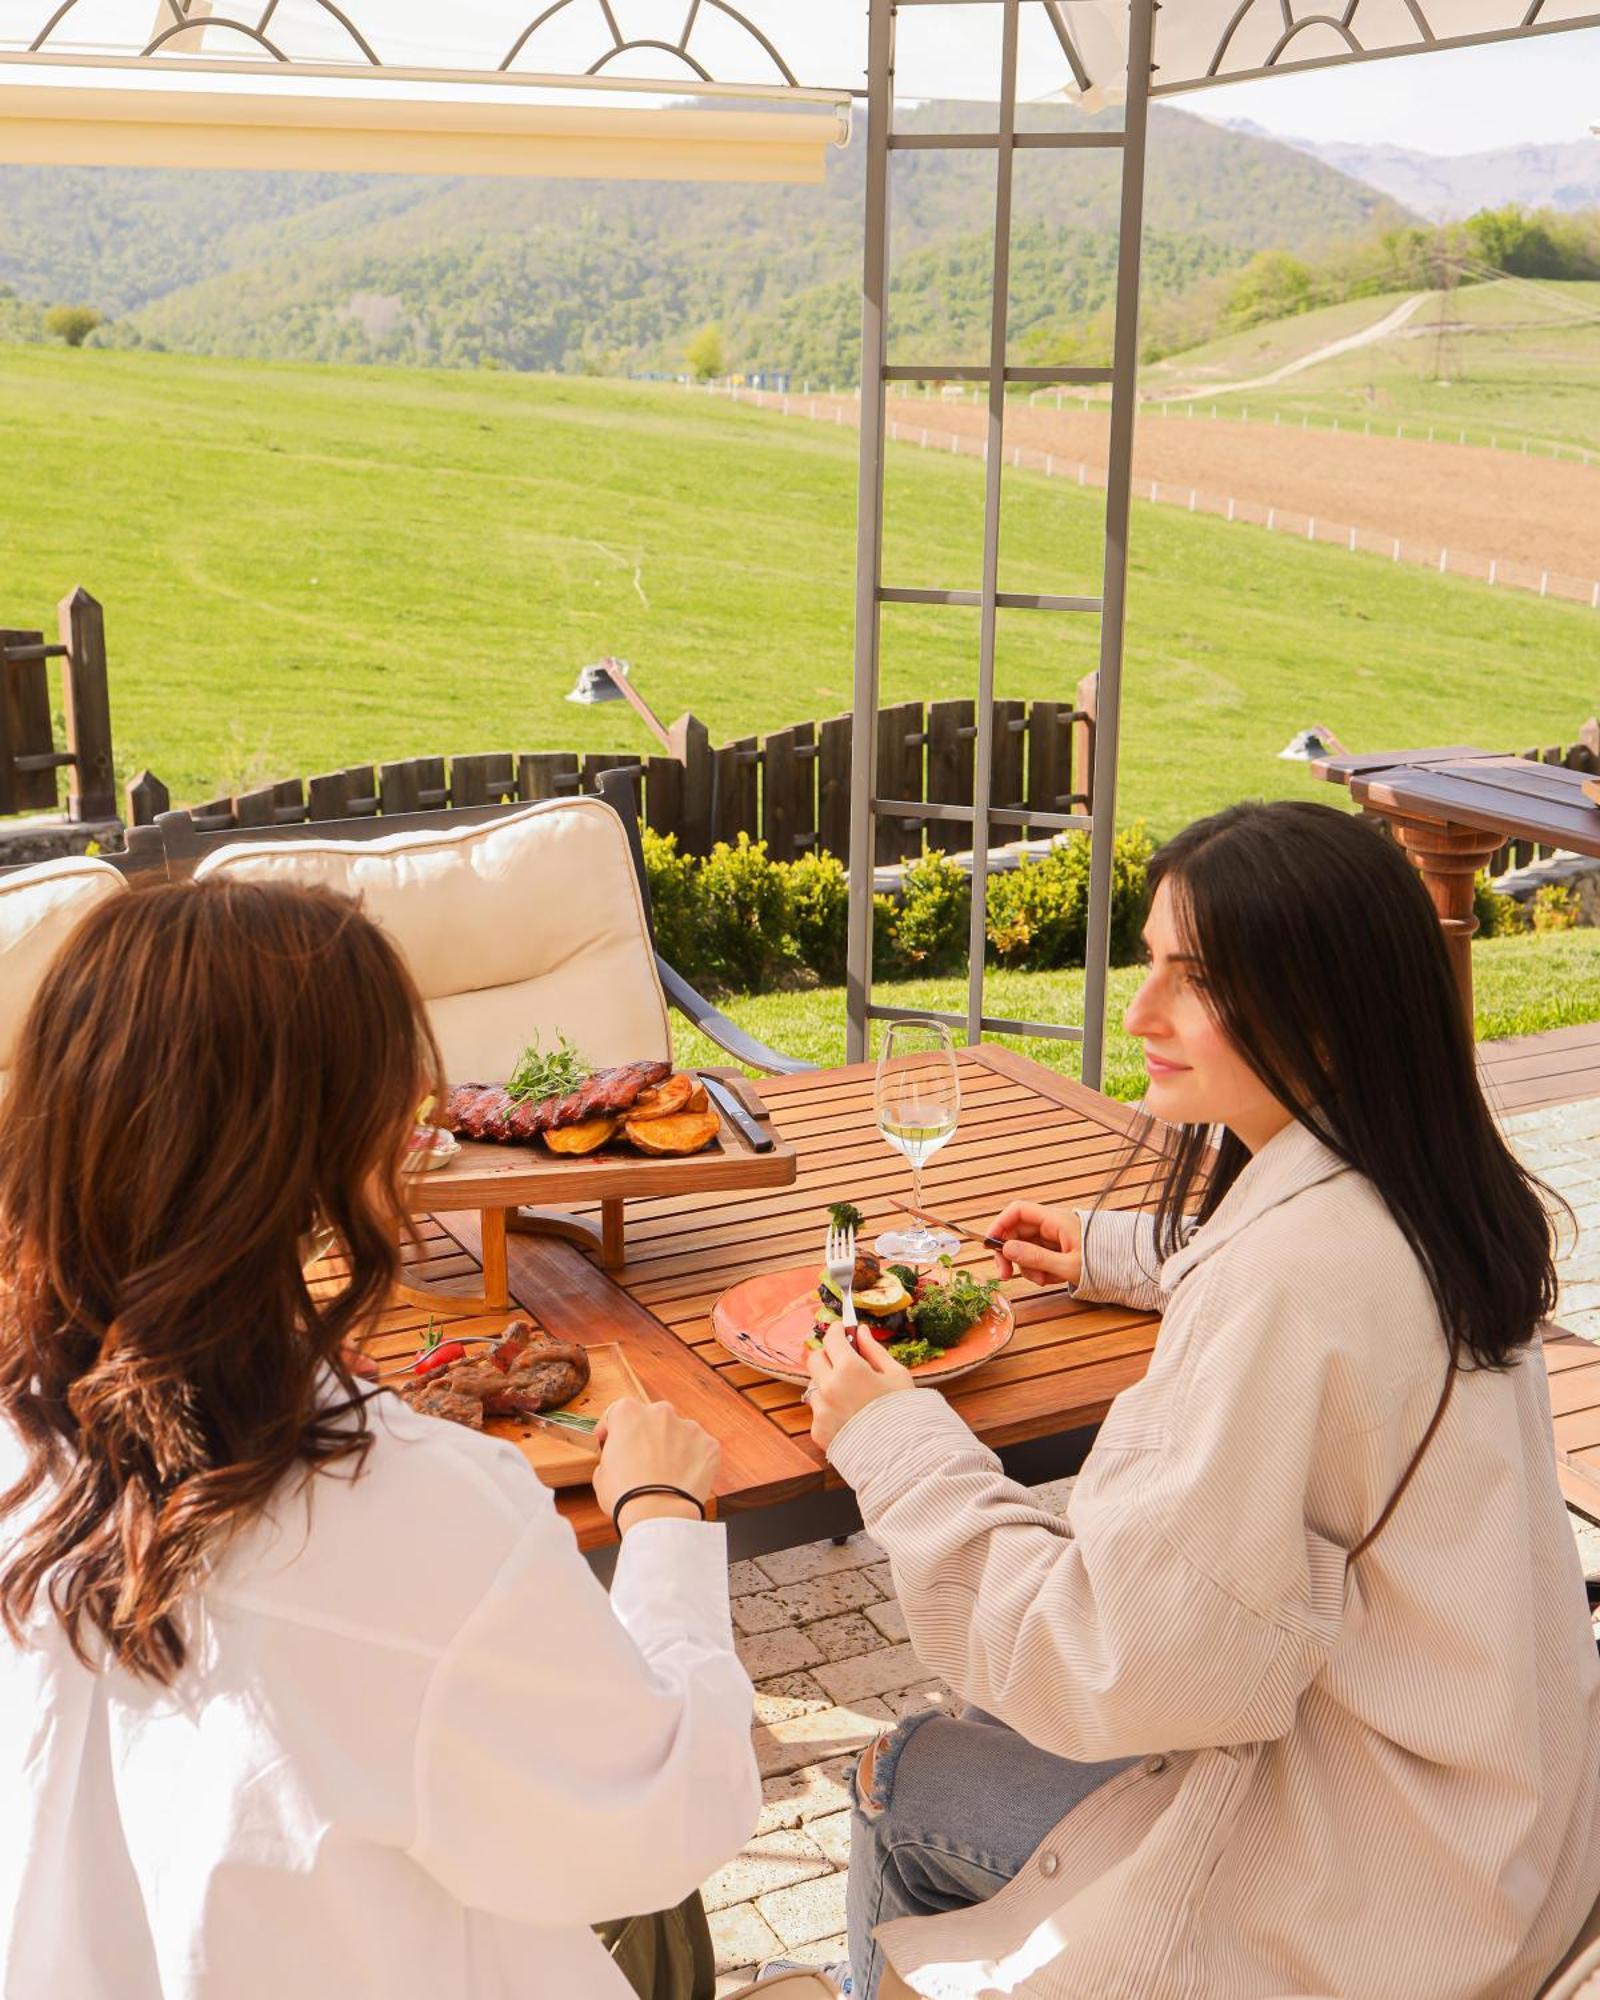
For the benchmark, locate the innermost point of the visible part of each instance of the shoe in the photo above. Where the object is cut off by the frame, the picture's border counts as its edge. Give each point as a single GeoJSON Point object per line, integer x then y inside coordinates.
{"type": "Point", "coordinates": [837, 1975]}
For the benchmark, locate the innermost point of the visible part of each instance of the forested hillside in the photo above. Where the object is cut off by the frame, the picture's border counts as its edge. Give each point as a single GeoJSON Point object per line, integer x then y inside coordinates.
{"type": "Point", "coordinates": [614, 277]}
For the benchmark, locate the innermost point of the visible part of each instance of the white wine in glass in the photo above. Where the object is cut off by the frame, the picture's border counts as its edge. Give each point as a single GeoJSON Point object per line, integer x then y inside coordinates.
{"type": "Point", "coordinates": [918, 1101]}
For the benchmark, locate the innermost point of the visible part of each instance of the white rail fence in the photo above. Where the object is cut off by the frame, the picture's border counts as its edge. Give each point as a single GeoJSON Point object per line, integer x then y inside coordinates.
{"type": "Point", "coordinates": [1497, 571]}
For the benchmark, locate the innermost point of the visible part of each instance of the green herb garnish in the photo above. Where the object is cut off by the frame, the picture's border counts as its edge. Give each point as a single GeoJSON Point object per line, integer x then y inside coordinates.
{"type": "Point", "coordinates": [537, 1075]}
{"type": "Point", "coordinates": [431, 1339]}
{"type": "Point", "coordinates": [845, 1215]}
{"type": "Point", "coordinates": [945, 1312]}
{"type": "Point", "coordinates": [910, 1352]}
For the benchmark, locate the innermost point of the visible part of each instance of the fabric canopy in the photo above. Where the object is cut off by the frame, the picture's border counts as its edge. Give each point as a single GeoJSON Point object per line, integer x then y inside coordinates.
{"type": "Point", "coordinates": [1199, 42]}
{"type": "Point", "coordinates": [372, 128]}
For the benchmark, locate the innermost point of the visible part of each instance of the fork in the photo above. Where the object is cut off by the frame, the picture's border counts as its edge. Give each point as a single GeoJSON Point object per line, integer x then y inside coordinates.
{"type": "Point", "coordinates": [841, 1262]}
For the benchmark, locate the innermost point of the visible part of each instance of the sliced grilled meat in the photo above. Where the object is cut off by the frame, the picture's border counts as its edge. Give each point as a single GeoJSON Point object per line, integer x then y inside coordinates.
{"type": "Point", "coordinates": [488, 1111]}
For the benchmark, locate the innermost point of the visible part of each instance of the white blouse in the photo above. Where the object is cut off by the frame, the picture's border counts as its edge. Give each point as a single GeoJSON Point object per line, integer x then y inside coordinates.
{"type": "Point", "coordinates": [416, 1752]}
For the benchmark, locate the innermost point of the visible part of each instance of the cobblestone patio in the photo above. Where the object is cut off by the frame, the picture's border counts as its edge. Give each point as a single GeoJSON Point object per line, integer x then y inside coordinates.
{"type": "Point", "coordinates": [825, 1643]}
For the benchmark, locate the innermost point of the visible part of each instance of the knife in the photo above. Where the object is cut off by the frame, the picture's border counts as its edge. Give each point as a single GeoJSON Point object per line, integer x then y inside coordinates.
{"type": "Point", "coordinates": [741, 1121]}
{"type": "Point", "coordinates": [574, 1430]}
{"type": "Point", "coordinates": [955, 1228]}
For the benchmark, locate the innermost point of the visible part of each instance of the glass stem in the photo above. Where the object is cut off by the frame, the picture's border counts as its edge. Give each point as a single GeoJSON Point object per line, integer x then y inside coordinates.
{"type": "Point", "coordinates": [916, 1194]}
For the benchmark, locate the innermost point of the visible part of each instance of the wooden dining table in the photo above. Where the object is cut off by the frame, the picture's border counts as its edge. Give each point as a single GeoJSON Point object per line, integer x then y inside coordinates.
{"type": "Point", "coordinates": [1024, 1130]}
{"type": "Point", "coordinates": [1453, 809]}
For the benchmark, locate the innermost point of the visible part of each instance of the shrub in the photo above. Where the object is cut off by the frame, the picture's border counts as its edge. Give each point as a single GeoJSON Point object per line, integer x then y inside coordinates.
{"type": "Point", "coordinates": [1038, 914]}
{"type": "Point", "coordinates": [1555, 908]}
{"type": "Point", "coordinates": [674, 902]}
{"type": "Point", "coordinates": [743, 913]}
{"type": "Point", "coordinates": [932, 918]}
{"type": "Point", "coordinates": [739, 921]}
{"type": "Point", "coordinates": [819, 909]}
{"type": "Point", "coordinates": [73, 324]}
{"type": "Point", "coordinates": [1498, 915]}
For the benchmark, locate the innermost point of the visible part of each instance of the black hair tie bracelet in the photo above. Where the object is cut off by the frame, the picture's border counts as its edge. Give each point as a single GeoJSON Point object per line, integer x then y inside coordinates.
{"type": "Point", "coordinates": [638, 1493]}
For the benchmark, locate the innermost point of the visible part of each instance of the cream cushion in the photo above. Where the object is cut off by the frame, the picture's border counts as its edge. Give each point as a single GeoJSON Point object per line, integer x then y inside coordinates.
{"type": "Point", "coordinates": [528, 926]}
{"type": "Point", "coordinates": [39, 908]}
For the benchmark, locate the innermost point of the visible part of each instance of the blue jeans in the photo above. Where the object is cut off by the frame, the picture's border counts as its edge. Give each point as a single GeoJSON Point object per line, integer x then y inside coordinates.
{"type": "Point", "coordinates": [947, 1810]}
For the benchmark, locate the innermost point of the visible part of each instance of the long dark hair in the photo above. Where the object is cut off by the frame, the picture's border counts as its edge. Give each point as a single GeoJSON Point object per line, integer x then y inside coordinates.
{"type": "Point", "coordinates": [208, 1073]}
{"type": "Point", "coordinates": [1322, 960]}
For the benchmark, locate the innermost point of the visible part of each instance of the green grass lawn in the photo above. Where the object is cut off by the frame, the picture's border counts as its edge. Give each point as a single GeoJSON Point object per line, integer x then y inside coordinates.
{"type": "Point", "coordinates": [1525, 369]}
{"type": "Point", "coordinates": [1522, 985]}
{"type": "Point", "coordinates": [305, 567]}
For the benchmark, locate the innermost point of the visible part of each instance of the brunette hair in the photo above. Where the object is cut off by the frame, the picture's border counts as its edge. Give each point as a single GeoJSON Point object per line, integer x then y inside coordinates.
{"type": "Point", "coordinates": [1322, 960]}
{"type": "Point", "coordinates": [209, 1073]}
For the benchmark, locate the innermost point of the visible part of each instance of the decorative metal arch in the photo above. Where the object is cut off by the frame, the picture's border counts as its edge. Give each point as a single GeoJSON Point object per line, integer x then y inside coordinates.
{"type": "Point", "coordinates": [186, 20]}
{"type": "Point", "coordinates": [621, 45]}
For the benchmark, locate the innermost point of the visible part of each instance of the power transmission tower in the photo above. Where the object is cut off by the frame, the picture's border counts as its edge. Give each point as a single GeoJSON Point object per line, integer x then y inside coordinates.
{"type": "Point", "coordinates": [1446, 364]}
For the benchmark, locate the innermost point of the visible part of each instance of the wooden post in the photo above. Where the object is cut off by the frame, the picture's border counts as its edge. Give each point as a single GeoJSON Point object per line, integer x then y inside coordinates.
{"type": "Point", "coordinates": [87, 703]}
{"type": "Point", "coordinates": [900, 769]}
{"type": "Point", "coordinates": [347, 794]}
{"type": "Point", "coordinates": [1083, 740]}
{"type": "Point", "coordinates": [1448, 857]}
{"type": "Point", "coordinates": [145, 797]}
{"type": "Point", "coordinates": [1006, 786]}
{"type": "Point", "coordinates": [691, 745]}
{"type": "Point", "coordinates": [271, 805]}
{"type": "Point", "coordinates": [486, 779]}
{"type": "Point", "coordinates": [663, 796]}
{"type": "Point", "coordinates": [547, 774]}
{"type": "Point", "coordinates": [25, 726]}
{"type": "Point", "coordinates": [788, 806]}
{"type": "Point", "coordinates": [736, 790]}
{"type": "Point", "coordinates": [952, 732]}
{"type": "Point", "coordinates": [1049, 757]}
{"type": "Point", "coordinates": [833, 785]}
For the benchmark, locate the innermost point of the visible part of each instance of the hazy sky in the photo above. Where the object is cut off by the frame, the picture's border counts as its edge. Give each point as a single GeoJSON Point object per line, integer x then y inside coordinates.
{"type": "Point", "coordinates": [1455, 101]}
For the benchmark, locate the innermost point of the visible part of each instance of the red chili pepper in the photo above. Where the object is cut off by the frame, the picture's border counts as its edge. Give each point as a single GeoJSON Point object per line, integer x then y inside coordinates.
{"type": "Point", "coordinates": [436, 1358]}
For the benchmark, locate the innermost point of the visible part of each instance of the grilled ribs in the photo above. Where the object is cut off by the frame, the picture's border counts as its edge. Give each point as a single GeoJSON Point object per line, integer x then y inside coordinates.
{"type": "Point", "coordinates": [488, 1111]}
{"type": "Point", "coordinates": [524, 1374]}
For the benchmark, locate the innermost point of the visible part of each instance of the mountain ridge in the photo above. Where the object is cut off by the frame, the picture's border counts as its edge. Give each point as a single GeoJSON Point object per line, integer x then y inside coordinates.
{"type": "Point", "coordinates": [614, 277]}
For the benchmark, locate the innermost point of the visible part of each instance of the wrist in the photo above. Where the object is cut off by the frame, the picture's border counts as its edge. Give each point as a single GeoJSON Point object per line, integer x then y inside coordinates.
{"type": "Point", "coordinates": [631, 1510]}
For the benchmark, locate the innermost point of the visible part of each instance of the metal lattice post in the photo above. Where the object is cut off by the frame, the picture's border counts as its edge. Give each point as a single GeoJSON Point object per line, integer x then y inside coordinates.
{"type": "Point", "coordinates": [872, 593]}
{"type": "Point", "coordinates": [993, 475]}
{"type": "Point", "coordinates": [869, 526]}
{"type": "Point", "coordinates": [1114, 589]}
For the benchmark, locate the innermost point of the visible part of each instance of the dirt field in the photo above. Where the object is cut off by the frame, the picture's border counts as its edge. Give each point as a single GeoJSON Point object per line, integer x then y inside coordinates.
{"type": "Point", "coordinates": [1541, 514]}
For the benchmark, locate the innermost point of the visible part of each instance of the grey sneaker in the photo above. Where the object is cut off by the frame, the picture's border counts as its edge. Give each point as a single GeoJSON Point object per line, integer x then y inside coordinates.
{"type": "Point", "coordinates": [837, 1975]}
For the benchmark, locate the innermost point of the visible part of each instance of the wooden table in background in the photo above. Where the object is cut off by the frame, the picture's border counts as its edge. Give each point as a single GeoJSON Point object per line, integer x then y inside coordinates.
{"type": "Point", "coordinates": [1024, 1130]}
{"type": "Point", "coordinates": [1452, 810]}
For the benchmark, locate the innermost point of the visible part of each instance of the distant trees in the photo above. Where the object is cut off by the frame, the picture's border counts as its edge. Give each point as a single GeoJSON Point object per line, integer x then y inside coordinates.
{"type": "Point", "coordinates": [1546, 244]}
{"type": "Point", "coordinates": [73, 324]}
{"type": "Point", "coordinates": [706, 355]}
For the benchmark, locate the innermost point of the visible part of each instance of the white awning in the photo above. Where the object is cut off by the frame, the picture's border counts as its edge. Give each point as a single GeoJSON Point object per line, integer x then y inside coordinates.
{"type": "Point", "coordinates": [1199, 42]}
{"type": "Point", "coordinates": [377, 127]}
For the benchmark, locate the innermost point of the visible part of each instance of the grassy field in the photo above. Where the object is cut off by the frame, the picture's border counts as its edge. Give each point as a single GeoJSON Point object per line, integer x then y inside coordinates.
{"type": "Point", "coordinates": [304, 567]}
{"type": "Point", "coordinates": [1522, 985]}
{"type": "Point", "coordinates": [1524, 368]}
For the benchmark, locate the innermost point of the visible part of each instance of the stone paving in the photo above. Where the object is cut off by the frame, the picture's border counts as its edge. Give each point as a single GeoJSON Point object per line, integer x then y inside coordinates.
{"type": "Point", "coordinates": [825, 1644]}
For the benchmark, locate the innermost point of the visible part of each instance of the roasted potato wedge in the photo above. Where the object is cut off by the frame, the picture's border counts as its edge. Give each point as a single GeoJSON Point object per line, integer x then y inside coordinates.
{"type": "Point", "coordinates": [665, 1101]}
{"type": "Point", "coordinates": [698, 1098]}
{"type": "Point", "coordinates": [685, 1133]}
{"type": "Point", "coordinates": [587, 1136]}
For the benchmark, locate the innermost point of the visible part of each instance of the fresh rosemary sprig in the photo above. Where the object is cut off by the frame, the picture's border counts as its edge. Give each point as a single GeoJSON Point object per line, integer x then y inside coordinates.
{"type": "Point", "coordinates": [538, 1075]}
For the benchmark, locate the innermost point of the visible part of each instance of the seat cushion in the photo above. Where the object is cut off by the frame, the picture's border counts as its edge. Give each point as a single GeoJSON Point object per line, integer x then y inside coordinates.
{"type": "Point", "coordinates": [528, 926]}
{"type": "Point", "coordinates": [39, 907]}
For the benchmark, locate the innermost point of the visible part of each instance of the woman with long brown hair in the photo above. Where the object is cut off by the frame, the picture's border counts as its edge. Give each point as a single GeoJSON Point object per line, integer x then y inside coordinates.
{"type": "Point", "coordinates": [301, 1691]}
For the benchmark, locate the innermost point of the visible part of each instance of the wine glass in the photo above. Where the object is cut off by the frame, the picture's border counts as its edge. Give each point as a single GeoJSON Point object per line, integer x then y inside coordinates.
{"type": "Point", "coordinates": [917, 1100]}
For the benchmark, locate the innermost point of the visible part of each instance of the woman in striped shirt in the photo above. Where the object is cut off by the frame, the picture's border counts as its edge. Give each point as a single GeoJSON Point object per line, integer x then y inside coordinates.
{"type": "Point", "coordinates": [1301, 1696]}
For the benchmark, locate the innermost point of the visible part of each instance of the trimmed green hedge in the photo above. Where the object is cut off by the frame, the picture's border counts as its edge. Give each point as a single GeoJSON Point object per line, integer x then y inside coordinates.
{"type": "Point", "coordinates": [740, 922]}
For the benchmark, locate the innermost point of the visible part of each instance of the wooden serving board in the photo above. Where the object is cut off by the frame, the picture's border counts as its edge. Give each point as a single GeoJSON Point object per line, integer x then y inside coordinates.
{"type": "Point", "coordinates": [557, 1460]}
{"type": "Point", "coordinates": [488, 1176]}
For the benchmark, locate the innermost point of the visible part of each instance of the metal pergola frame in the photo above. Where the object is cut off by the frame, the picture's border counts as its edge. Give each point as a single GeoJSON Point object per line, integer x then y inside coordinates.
{"type": "Point", "coordinates": [1149, 52]}
{"type": "Point", "coordinates": [872, 593]}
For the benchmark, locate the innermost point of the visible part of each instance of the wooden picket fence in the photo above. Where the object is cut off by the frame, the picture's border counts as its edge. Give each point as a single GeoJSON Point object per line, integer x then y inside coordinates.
{"type": "Point", "coordinates": [31, 763]}
{"type": "Point", "coordinates": [1584, 755]}
{"type": "Point", "coordinates": [791, 788]}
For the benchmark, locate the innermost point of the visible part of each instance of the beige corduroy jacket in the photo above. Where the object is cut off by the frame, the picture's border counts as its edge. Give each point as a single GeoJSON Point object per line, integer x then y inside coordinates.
{"type": "Point", "coordinates": [1377, 1780]}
